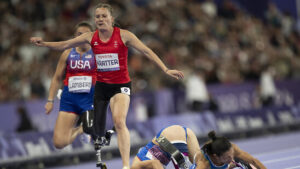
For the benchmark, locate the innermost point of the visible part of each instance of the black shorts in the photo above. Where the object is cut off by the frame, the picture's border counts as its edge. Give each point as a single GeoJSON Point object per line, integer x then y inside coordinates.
{"type": "Point", "coordinates": [104, 91]}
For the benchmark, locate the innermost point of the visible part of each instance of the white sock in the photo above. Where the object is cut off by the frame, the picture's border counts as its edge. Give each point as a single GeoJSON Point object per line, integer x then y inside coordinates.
{"type": "Point", "coordinates": [125, 167]}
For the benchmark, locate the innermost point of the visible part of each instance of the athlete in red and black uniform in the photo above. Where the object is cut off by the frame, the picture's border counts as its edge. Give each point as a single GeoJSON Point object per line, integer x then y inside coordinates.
{"type": "Point", "coordinates": [111, 57]}
{"type": "Point", "coordinates": [78, 65]}
{"type": "Point", "coordinates": [110, 47]}
{"type": "Point", "coordinates": [113, 84]}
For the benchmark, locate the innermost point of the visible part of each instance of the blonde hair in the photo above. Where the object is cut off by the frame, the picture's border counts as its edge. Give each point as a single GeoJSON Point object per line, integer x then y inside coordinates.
{"type": "Point", "coordinates": [107, 6]}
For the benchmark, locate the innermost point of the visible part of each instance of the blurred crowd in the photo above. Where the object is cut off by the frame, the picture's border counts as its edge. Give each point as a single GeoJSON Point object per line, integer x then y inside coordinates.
{"type": "Point", "coordinates": [225, 42]}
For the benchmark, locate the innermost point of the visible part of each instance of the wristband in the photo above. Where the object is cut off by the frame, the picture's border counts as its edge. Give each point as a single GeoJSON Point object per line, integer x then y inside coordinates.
{"type": "Point", "coordinates": [52, 101]}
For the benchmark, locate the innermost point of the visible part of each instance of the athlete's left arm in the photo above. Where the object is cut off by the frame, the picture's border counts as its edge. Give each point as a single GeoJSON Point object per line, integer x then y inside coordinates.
{"type": "Point", "coordinates": [131, 40]}
{"type": "Point", "coordinates": [247, 157]}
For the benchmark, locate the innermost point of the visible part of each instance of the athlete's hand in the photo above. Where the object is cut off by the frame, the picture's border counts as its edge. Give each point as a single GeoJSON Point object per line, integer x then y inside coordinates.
{"type": "Point", "coordinates": [175, 73]}
{"type": "Point", "coordinates": [48, 107]}
{"type": "Point", "coordinates": [231, 165]}
{"type": "Point", "coordinates": [38, 41]}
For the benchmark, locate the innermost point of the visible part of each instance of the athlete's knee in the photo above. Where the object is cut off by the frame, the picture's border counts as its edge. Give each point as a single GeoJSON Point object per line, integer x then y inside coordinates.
{"type": "Point", "coordinates": [120, 124]}
{"type": "Point", "coordinates": [156, 164]}
{"type": "Point", "coordinates": [59, 145]}
{"type": "Point", "coordinates": [133, 167]}
{"type": "Point", "coordinates": [136, 166]}
{"type": "Point", "coordinates": [59, 142]}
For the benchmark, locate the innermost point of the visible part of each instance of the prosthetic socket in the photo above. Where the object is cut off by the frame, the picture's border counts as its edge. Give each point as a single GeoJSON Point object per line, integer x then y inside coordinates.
{"type": "Point", "coordinates": [94, 121]}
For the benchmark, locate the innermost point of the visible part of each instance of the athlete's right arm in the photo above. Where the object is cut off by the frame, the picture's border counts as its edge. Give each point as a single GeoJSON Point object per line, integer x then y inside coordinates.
{"type": "Point", "coordinates": [56, 79]}
{"type": "Point", "coordinates": [63, 45]}
{"type": "Point", "coordinates": [200, 161]}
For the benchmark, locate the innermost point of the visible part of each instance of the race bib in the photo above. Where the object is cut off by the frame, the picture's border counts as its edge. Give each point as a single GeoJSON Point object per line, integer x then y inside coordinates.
{"type": "Point", "coordinates": [80, 84]}
{"type": "Point", "coordinates": [125, 90]}
{"type": "Point", "coordinates": [107, 62]}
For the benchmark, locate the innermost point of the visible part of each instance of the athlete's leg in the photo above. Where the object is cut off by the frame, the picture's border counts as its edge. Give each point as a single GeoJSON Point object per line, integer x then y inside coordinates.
{"type": "Point", "coordinates": [119, 105]}
{"type": "Point", "coordinates": [192, 144]}
{"type": "Point", "coordinates": [87, 120]}
{"type": "Point", "coordinates": [100, 117]}
{"type": "Point", "coordinates": [148, 164]}
{"type": "Point", "coordinates": [64, 131]}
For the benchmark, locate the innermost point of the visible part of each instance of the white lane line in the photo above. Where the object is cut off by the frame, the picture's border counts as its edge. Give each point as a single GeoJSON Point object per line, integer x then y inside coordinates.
{"type": "Point", "coordinates": [293, 167]}
{"type": "Point", "coordinates": [277, 151]}
{"type": "Point", "coordinates": [281, 159]}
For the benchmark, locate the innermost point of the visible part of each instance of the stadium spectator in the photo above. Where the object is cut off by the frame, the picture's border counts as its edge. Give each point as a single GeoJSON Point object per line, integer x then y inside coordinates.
{"type": "Point", "coordinates": [233, 37]}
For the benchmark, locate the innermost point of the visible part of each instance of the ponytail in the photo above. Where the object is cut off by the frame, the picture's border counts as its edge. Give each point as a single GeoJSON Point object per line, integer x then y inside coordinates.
{"type": "Point", "coordinates": [212, 135]}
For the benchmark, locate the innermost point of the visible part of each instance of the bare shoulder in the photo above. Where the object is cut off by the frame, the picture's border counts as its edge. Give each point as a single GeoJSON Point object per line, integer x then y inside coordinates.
{"type": "Point", "coordinates": [65, 53]}
{"type": "Point", "coordinates": [125, 32]}
{"type": "Point", "coordinates": [126, 35]}
{"type": "Point", "coordinates": [236, 149]}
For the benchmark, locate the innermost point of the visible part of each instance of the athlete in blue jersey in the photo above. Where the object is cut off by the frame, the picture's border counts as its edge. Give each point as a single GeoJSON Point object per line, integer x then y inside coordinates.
{"type": "Point", "coordinates": [220, 153]}
{"type": "Point", "coordinates": [153, 156]}
{"type": "Point", "coordinates": [78, 66]}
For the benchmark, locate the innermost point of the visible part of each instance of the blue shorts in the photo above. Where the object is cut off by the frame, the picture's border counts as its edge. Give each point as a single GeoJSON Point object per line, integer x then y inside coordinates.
{"type": "Point", "coordinates": [153, 151]}
{"type": "Point", "coordinates": [76, 102]}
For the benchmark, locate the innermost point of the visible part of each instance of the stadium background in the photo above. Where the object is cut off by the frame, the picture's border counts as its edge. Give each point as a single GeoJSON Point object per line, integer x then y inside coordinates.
{"type": "Point", "coordinates": [234, 49]}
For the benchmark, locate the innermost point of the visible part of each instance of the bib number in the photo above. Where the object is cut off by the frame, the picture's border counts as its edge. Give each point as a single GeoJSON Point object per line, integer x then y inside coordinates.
{"type": "Point", "coordinates": [107, 62]}
{"type": "Point", "coordinates": [80, 84]}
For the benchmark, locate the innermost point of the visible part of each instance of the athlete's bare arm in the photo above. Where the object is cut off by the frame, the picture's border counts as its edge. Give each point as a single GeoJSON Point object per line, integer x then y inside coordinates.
{"type": "Point", "coordinates": [56, 79]}
{"type": "Point", "coordinates": [247, 157]}
{"type": "Point", "coordinates": [63, 45]}
{"type": "Point", "coordinates": [131, 40]}
{"type": "Point", "coordinates": [201, 161]}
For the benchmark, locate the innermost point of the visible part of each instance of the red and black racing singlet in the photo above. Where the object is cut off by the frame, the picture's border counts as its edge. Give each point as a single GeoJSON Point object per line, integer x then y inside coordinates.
{"type": "Point", "coordinates": [111, 58]}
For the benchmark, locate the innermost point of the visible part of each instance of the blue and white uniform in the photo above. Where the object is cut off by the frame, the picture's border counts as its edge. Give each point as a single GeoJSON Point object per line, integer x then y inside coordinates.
{"type": "Point", "coordinates": [212, 165]}
{"type": "Point", "coordinates": [153, 151]}
{"type": "Point", "coordinates": [79, 82]}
